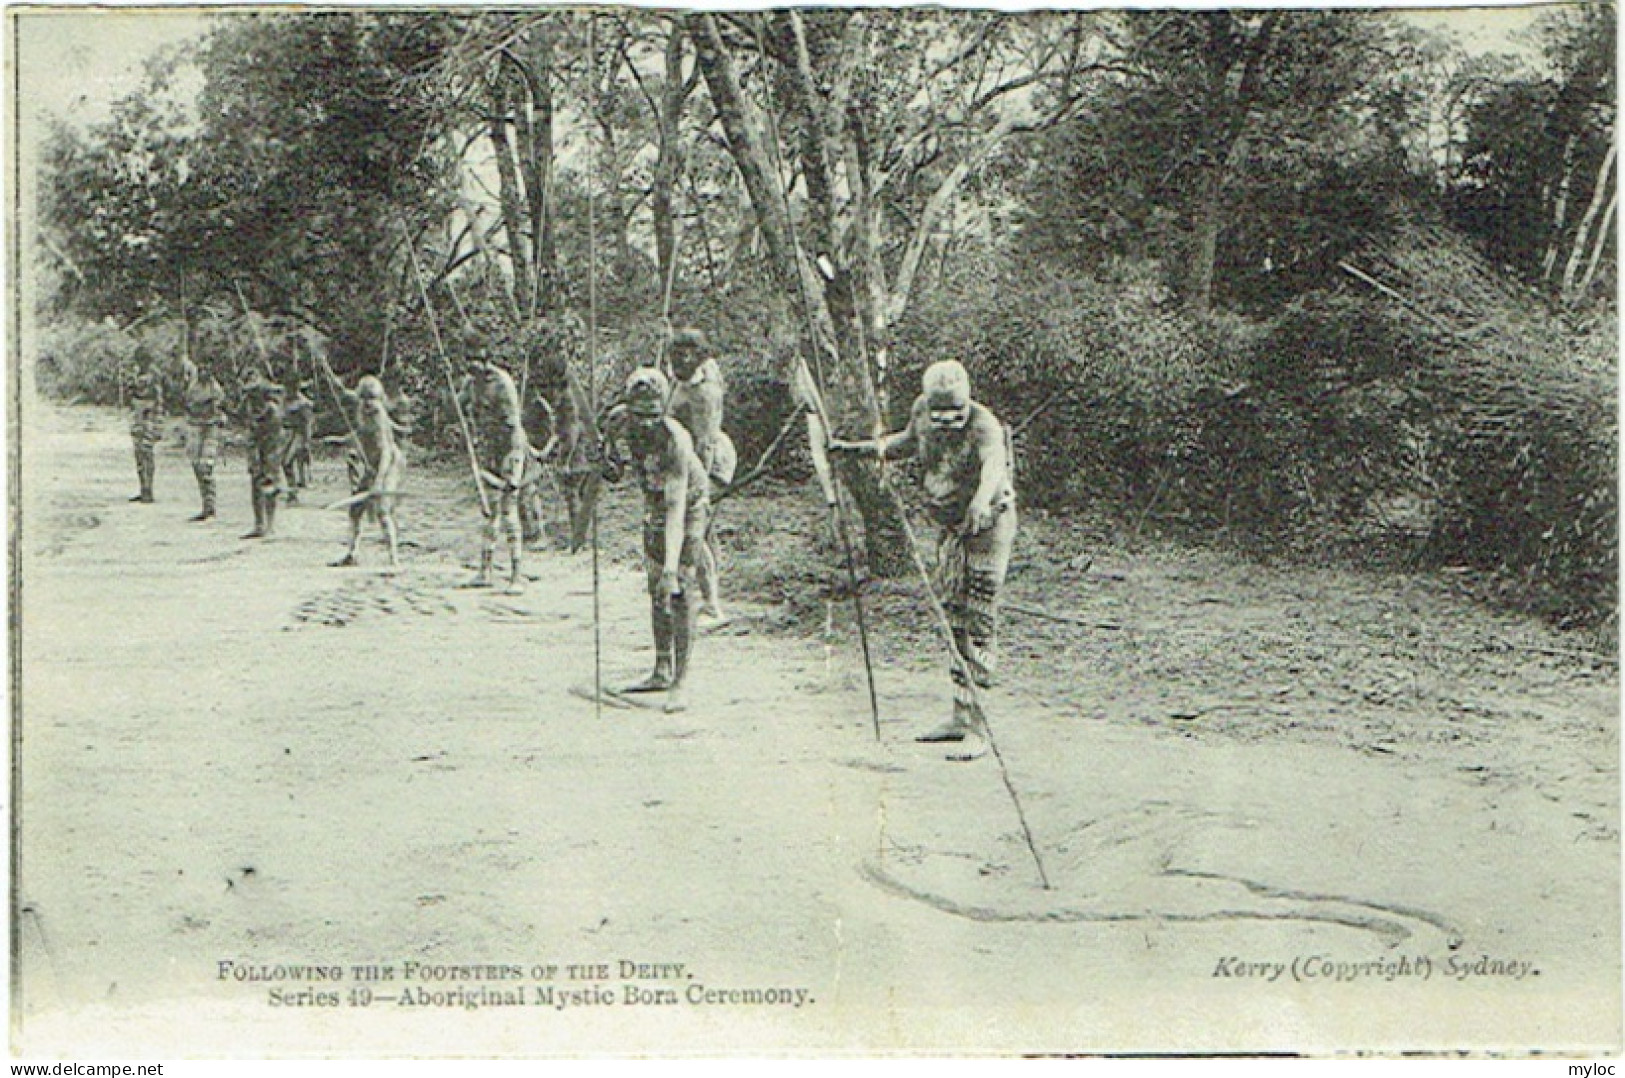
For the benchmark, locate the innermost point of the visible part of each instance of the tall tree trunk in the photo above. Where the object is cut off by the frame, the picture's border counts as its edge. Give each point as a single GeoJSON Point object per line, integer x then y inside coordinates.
{"type": "Point", "coordinates": [1604, 234]}
{"type": "Point", "coordinates": [831, 334]}
{"type": "Point", "coordinates": [509, 192]}
{"type": "Point", "coordinates": [1560, 211]}
{"type": "Point", "coordinates": [667, 164]}
{"type": "Point", "coordinates": [1205, 246]}
{"type": "Point", "coordinates": [1236, 54]}
{"type": "Point", "coordinates": [536, 164]}
{"type": "Point", "coordinates": [1582, 235]}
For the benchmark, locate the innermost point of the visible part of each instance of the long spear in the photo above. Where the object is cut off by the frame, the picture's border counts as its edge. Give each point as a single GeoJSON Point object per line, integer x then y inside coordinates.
{"type": "Point", "coordinates": [960, 667]}
{"type": "Point", "coordinates": [832, 497]}
{"type": "Point", "coordinates": [451, 383]}
{"type": "Point", "coordinates": [943, 623]}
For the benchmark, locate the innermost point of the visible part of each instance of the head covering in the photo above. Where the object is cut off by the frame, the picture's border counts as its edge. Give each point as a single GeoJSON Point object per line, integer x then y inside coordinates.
{"type": "Point", "coordinates": [689, 338]}
{"type": "Point", "coordinates": [647, 391]}
{"type": "Point", "coordinates": [370, 388]}
{"type": "Point", "coordinates": [947, 384]}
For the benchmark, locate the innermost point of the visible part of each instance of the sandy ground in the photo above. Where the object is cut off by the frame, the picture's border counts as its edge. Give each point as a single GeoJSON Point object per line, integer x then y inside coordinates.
{"type": "Point", "coordinates": [1264, 826]}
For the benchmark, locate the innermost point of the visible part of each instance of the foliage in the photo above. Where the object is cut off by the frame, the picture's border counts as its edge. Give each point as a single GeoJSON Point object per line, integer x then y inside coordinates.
{"type": "Point", "coordinates": [1523, 411]}
{"type": "Point", "coordinates": [1537, 148]}
{"type": "Point", "coordinates": [1214, 111]}
{"type": "Point", "coordinates": [1100, 372]}
{"type": "Point", "coordinates": [1136, 228]}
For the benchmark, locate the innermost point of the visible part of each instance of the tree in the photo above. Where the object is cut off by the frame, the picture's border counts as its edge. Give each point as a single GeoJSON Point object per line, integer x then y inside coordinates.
{"type": "Point", "coordinates": [319, 137]}
{"type": "Point", "coordinates": [854, 134]}
{"type": "Point", "coordinates": [1211, 111]}
{"type": "Point", "coordinates": [1538, 162]}
{"type": "Point", "coordinates": [115, 200]}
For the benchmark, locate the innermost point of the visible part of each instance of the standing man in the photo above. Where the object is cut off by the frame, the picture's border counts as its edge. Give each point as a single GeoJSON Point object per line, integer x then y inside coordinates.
{"type": "Point", "coordinates": [505, 464]}
{"type": "Point", "coordinates": [676, 502]}
{"type": "Point", "coordinates": [299, 421]}
{"type": "Point", "coordinates": [970, 492]}
{"type": "Point", "coordinates": [262, 407]}
{"type": "Point", "coordinates": [203, 401]}
{"type": "Point", "coordinates": [698, 399]}
{"type": "Point", "coordinates": [581, 450]}
{"type": "Point", "coordinates": [146, 419]}
{"type": "Point", "coordinates": [376, 466]}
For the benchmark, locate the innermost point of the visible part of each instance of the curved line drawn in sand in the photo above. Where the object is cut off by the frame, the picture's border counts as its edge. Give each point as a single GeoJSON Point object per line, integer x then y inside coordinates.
{"type": "Point", "coordinates": [1392, 931]}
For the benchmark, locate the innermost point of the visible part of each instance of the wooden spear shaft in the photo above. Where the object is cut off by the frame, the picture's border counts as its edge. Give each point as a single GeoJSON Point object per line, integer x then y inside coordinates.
{"type": "Point", "coordinates": [451, 382]}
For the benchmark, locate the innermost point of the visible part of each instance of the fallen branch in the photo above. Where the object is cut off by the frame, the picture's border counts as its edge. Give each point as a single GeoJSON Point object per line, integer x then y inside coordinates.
{"type": "Point", "coordinates": [1050, 615]}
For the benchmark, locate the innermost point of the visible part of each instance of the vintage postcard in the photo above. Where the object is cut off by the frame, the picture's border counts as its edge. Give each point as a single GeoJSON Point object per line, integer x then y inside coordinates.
{"type": "Point", "coordinates": [582, 531]}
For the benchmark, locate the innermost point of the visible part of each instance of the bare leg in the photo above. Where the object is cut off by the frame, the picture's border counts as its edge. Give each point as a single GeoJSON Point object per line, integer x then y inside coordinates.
{"type": "Point", "coordinates": [386, 521]}
{"type": "Point", "coordinates": [710, 585]}
{"type": "Point", "coordinates": [509, 508]}
{"type": "Point", "coordinates": [683, 617]}
{"type": "Point", "coordinates": [660, 619]}
{"type": "Point", "coordinates": [488, 545]}
{"type": "Point", "coordinates": [203, 469]}
{"type": "Point", "coordinates": [356, 513]}
{"type": "Point", "coordinates": [259, 508]}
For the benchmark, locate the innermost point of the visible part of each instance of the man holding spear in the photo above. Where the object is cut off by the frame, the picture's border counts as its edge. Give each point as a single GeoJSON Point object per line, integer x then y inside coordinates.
{"type": "Point", "coordinates": [970, 493]}
{"type": "Point", "coordinates": [676, 500]}
{"type": "Point", "coordinates": [262, 409]}
{"type": "Point", "coordinates": [146, 419]}
{"type": "Point", "coordinates": [375, 463]}
{"type": "Point", "coordinates": [507, 464]}
{"type": "Point", "coordinates": [203, 401]}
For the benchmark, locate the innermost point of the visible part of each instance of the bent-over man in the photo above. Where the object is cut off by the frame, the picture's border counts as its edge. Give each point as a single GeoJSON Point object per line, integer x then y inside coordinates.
{"type": "Point", "coordinates": [969, 490]}
{"type": "Point", "coordinates": [676, 501]}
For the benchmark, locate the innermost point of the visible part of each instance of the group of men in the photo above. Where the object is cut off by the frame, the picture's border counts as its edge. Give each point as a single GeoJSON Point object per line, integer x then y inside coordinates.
{"type": "Point", "coordinates": [281, 432]}
{"type": "Point", "coordinates": [667, 428]}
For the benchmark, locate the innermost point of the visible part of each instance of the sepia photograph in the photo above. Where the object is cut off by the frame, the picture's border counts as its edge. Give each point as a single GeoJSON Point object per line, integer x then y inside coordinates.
{"type": "Point", "coordinates": [805, 532]}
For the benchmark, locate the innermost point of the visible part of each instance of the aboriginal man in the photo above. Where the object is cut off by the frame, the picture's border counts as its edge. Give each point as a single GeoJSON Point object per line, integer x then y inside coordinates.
{"type": "Point", "coordinates": [375, 464]}
{"type": "Point", "coordinates": [146, 420]}
{"type": "Point", "coordinates": [697, 402]}
{"type": "Point", "coordinates": [262, 408]}
{"type": "Point", "coordinates": [676, 503]}
{"type": "Point", "coordinates": [506, 463]}
{"type": "Point", "coordinates": [964, 451]}
{"type": "Point", "coordinates": [203, 402]}
{"type": "Point", "coordinates": [299, 419]}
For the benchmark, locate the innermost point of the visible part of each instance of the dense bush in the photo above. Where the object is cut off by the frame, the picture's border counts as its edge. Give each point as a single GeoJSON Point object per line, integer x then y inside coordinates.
{"type": "Point", "coordinates": [1469, 427]}
{"type": "Point", "coordinates": [1099, 378]}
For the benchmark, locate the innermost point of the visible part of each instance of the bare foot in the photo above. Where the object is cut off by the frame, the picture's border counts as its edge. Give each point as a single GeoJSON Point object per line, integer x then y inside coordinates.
{"type": "Point", "coordinates": [676, 700]}
{"type": "Point", "coordinates": [655, 682]}
{"type": "Point", "coordinates": [344, 562]}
